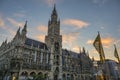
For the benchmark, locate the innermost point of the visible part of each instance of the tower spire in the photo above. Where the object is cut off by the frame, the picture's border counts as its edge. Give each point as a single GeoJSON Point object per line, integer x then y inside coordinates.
{"type": "Point", "coordinates": [25, 27]}
{"type": "Point", "coordinates": [6, 41]}
{"type": "Point", "coordinates": [24, 30]}
{"type": "Point", "coordinates": [54, 14]}
{"type": "Point", "coordinates": [54, 10]}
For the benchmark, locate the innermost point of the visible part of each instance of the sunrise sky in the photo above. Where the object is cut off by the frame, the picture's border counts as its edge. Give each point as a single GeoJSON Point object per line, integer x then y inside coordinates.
{"type": "Point", "coordinates": [80, 22]}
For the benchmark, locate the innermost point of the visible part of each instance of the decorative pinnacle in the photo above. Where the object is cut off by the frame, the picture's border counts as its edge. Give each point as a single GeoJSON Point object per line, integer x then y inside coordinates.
{"type": "Point", "coordinates": [25, 26]}
{"type": "Point", "coordinates": [54, 10]}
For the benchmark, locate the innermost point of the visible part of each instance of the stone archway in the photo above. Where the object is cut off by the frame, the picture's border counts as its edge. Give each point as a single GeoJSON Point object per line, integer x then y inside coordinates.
{"type": "Point", "coordinates": [32, 74]}
{"type": "Point", "coordinates": [25, 73]}
{"type": "Point", "coordinates": [40, 73]}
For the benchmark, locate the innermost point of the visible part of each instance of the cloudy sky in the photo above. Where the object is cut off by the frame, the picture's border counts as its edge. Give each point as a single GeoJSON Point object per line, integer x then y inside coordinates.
{"type": "Point", "coordinates": [80, 22]}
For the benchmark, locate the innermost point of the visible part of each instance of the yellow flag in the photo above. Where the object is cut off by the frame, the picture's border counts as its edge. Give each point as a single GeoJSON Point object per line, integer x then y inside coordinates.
{"type": "Point", "coordinates": [98, 46]}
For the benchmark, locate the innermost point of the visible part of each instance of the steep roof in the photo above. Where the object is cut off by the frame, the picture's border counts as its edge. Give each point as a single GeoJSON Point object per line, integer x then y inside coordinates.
{"type": "Point", "coordinates": [71, 53]}
{"type": "Point", "coordinates": [35, 43]}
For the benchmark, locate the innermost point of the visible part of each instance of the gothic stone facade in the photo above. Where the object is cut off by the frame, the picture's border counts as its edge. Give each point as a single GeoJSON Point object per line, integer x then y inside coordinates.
{"type": "Point", "coordinates": [24, 57]}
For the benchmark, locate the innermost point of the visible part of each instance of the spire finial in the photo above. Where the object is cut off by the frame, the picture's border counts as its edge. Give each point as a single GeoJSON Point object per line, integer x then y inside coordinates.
{"type": "Point", "coordinates": [6, 40]}
{"type": "Point", "coordinates": [54, 10]}
{"type": "Point", "coordinates": [26, 23]}
{"type": "Point", "coordinates": [83, 50]}
{"type": "Point", "coordinates": [18, 32]}
{"type": "Point", "coordinates": [25, 26]}
{"type": "Point", "coordinates": [54, 14]}
{"type": "Point", "coordinates": [98, 32]}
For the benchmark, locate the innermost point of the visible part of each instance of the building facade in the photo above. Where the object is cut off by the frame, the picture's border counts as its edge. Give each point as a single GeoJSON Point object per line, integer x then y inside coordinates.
{"type": "Point", "coordinates": [111, 70]}
{"type": "Point", "coordinates": [24, 58]}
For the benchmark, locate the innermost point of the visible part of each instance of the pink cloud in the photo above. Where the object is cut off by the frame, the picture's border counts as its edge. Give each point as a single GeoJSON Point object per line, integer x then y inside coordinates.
{"type": "Point", "coordinates": [40, 37]}
{"type": "Point", "coordinates": [1, 23]}
{"type": "Point", "coordinates": [11, 31]}
{"type": "Point", "coordinates": [15, 23]}
{"type": "Point", "coordinates": [75, 23]}
{"type": "Point", "coordinates": [76, 48]}
{"type": "Point", "coordinates": [3, 26]}
{"type": "Point", "coordinates": [90, 41]}
{"type": "Point", "coordinates": [69, 38]}
{"type": "Point", "coordinates": [70, 41]}
{"type": "Point", "coordinates": [42, 28]}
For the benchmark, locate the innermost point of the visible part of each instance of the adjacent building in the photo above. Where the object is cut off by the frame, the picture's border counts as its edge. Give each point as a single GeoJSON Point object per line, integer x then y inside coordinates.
{"type": "Point", "coordinates": [111, 70]}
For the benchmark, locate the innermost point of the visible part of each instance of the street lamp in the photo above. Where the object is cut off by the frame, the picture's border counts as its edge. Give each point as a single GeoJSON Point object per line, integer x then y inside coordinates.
{"type": "Point", "coordinates": [48, 77]}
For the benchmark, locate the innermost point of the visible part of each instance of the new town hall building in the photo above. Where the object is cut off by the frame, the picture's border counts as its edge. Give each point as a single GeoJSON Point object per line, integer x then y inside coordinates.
{"type": "Point", "coordinates": [24, 57]}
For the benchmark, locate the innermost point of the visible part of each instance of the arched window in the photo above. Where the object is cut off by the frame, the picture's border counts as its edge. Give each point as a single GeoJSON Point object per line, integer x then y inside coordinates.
{"type": "Point", "coordinates": [40, 73]}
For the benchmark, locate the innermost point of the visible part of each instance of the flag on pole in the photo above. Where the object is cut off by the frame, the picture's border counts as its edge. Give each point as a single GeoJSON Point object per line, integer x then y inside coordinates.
{"type": "Point", "coordinates": [116, 54]}
{"type": "Point", "coordinates": [98, 46]}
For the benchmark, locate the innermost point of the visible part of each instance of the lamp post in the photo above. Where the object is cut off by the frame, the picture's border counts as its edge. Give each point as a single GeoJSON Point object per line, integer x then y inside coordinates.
{"type": "Point", "coordinates": [48, 77]}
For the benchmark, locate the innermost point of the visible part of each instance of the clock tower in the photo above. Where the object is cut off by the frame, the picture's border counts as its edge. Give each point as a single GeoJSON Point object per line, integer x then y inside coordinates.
{"type": "Point", "coordinates": [54, 43]}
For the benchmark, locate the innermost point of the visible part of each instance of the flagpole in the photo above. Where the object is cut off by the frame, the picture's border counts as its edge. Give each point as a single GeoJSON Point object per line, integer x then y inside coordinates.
{"type": "Point", "coordinates": [116, 54]}
{"type": "Point", "coordinates": [101, 56]}
{"type": "Point", "coordinates": [100, 50]}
